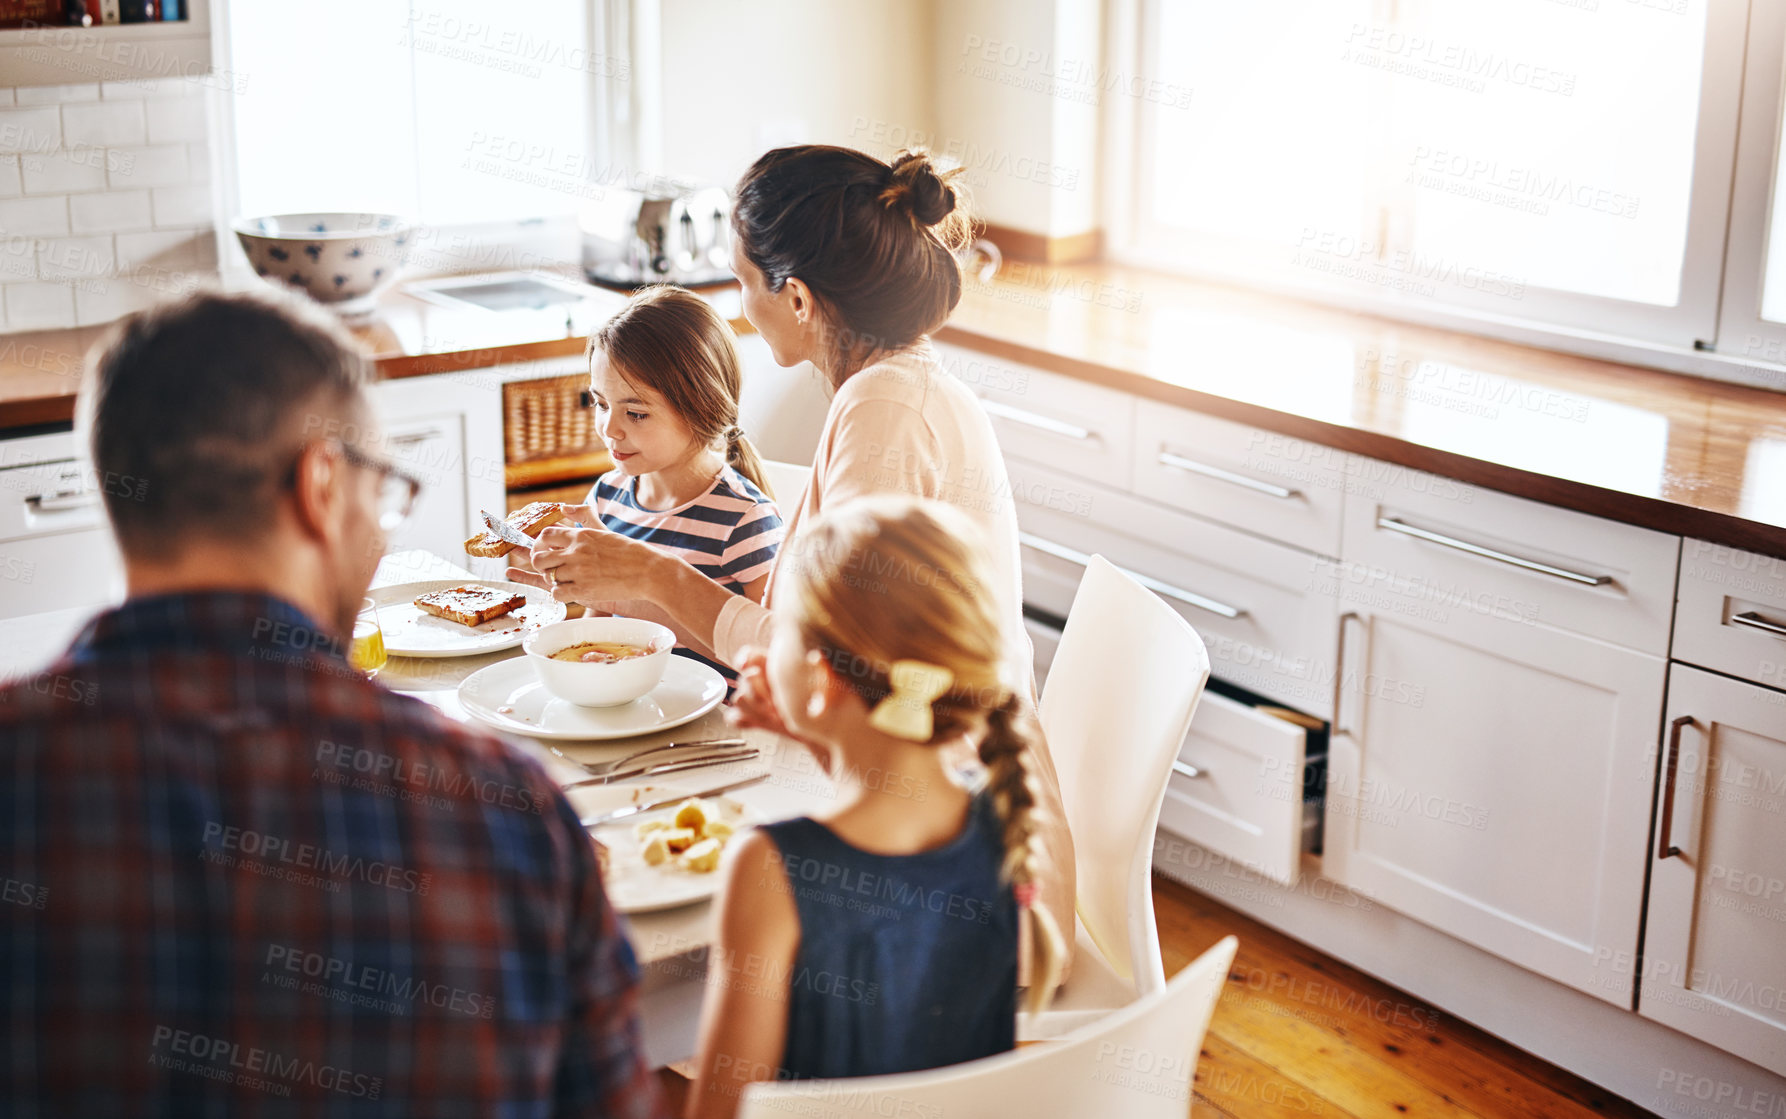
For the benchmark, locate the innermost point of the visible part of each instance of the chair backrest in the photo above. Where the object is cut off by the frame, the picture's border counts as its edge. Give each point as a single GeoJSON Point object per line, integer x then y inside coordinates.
{"type": "Point", "coordinates": [1137, 1062]}
{"type": "Point", "coordinates": [788, 480]}
{"type": "Point", "coordinates": [1124, 684]}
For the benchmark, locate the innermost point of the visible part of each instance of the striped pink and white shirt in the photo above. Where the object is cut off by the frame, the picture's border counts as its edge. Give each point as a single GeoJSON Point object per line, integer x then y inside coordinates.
{"type": "Point", "coordinates": [729, 534]}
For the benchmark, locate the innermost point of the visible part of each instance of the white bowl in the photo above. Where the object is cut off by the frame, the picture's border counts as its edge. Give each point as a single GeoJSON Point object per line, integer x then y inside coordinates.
{"type": "Point", "coordinates": [341, 259]}
{"type": "Point", "coordinates": [600, 685]}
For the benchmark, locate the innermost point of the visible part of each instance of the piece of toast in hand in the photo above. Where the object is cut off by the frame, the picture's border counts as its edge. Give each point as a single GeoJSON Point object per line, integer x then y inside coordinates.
{"type": "Point", "coordinates": [529, 519]}
{"type": "Point", "coordinates": [470, 605]}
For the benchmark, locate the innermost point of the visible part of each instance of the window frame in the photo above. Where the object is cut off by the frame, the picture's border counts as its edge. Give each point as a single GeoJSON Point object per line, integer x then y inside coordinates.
{"type": "Point", "coordinates": [1684, 336]}
{"type": "Point", "coordinates": [1742, 332]}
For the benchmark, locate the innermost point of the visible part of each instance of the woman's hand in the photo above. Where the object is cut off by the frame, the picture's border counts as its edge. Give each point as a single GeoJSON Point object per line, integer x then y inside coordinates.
{"type": "Point", "coordinates": [753, 706]}
{"type": "Point", "coordinates": [590, 564]}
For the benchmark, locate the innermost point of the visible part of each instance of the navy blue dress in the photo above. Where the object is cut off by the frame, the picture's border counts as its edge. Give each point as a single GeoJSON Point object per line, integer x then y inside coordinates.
{"type": "Point", "coordinates": [906, 962]}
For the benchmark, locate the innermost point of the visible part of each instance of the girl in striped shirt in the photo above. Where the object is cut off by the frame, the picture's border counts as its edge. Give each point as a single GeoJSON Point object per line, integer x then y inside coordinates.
{"type": "Point", "coordinates": [664, 374]}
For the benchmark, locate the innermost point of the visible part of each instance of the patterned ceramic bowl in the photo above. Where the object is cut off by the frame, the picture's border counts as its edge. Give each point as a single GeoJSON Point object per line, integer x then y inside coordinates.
{"type": "Point", "coordinates": [343, 259]}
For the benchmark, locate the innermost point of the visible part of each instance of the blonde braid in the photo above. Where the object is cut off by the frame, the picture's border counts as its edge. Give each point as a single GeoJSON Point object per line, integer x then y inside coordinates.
{"type": "Point", "coordinates": [1004, 751]}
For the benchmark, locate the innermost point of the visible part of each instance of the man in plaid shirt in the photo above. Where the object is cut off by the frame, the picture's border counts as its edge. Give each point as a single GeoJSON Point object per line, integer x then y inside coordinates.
{"type": "Point", "coordinates": [236, 877]}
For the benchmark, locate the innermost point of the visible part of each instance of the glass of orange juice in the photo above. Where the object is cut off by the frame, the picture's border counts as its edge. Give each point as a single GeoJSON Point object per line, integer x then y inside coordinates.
{"type": "Point", "coordinates": [367, 652]}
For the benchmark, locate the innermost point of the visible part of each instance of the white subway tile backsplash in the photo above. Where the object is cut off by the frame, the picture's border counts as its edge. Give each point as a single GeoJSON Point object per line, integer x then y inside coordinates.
{"type": "Point", "coordinates": [31, 217]}
{"type": "Point", "coordinates": [109, 211]}
{"type": "Point", "coordinates": [182, 206]}
{"type": "Point", "coordinates": [103, 124]}
{"type": "Point", "coordinates": [34, 129]}
{"type": "Point", "coordinates": [145, 89]}
{"type": "Point", "coordinates": [56, 94]}
{"type": "Point", "coordinates": [105, 199]}
{"type": "Point", "coordinates": [76, 258]}
{"type": "Point", "coordinates": [174, 248]}
{"type": "Point", "coordinates": [150, 167]}
{"type": "Point", "coordinates": [39, 306]}
{"type": "Point", "coordinates": [18, 259]}
{"type": "Point", "coordinates": [63, 172]}
{"type": "Point", "coordinates": [176, 120]}
{"type": "Point", "coordinates": [106, 300]}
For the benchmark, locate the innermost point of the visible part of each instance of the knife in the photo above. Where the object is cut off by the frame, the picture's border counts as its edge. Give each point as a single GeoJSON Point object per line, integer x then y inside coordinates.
{"type": "Point", "coordinates": [665, 802]}
{"type": "Point", "coordinates": [502, 530]}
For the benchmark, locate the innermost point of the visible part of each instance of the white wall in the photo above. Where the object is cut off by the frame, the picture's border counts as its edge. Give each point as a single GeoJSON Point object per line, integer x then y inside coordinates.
{"type": "Point", "coordinates": [741, 78]}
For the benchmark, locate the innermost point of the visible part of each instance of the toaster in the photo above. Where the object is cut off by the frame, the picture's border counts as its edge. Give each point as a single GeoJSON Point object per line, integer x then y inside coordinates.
{"type": "Point", "coordinates": [670, 233]}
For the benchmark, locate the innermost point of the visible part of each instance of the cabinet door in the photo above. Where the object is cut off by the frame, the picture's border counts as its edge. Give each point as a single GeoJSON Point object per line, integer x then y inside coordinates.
{"type": "Point", "coordinates": [433, 449]}
{"type": "Point", "coordinates": [1494, 781]}
{"type": "Point", "coordinates": [55, 549]}
{"type": "Point", "coordinates": [1714, 962]}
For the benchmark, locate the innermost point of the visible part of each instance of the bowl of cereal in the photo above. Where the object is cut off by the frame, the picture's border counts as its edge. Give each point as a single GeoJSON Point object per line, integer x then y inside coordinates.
{"type": "Point", "coordinates": [600, 662]}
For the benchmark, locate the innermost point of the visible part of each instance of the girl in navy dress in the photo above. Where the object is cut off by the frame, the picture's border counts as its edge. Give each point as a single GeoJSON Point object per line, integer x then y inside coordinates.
{"type": "Point", "coordinates": [881, 936]}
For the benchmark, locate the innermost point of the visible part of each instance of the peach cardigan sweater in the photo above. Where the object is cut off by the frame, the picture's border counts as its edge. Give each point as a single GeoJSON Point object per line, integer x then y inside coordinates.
{"type": "Point", "coordinates": [904, 425]}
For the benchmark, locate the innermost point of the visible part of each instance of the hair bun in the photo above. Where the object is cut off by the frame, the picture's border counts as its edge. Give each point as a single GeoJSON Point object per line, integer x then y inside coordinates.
{"type": "Point", "coordinates": [917, 188]}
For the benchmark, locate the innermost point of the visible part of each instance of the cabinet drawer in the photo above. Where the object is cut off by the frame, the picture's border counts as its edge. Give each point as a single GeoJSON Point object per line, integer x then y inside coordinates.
{"type": "Point", "coordinates": [1287, 489]}
{"type": "Point", "coordinates": [1731, 616]}
{"type": "Point", "coordinates": [1263, 609]}
{"type": "Point", "coordinates": [1236, 788]}
{"type": "Point", "coordinates": [1431, 549]}
{"type": "Point", "coordinates": [1082, 429]}
{"type": "Point", "coordinates": [56, 572]}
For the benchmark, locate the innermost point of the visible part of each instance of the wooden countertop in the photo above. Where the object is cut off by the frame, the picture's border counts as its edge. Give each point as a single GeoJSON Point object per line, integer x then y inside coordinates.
{"type": "Point", "coordinates": [1661, 450]}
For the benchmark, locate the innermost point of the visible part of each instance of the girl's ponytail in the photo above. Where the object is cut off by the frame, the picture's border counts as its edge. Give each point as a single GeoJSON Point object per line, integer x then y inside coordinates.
{"type": "Point", "coordinates": [1004, 751]}
{"type": "Point", "coordinates": [741, 455]}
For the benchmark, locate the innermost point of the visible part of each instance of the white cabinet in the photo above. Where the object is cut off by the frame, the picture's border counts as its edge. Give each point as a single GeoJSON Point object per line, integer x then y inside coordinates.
{"type": "Point", "coordinates": [1714, 959]}
{"type": "Point", "coordinates": [1493, 782]}
{"type": "Point", "coordinates": [1492, 762]}
{"type": "Point", "coordinates": [56, 549]}
{"type": "Point", "coordinates": [446, 429]}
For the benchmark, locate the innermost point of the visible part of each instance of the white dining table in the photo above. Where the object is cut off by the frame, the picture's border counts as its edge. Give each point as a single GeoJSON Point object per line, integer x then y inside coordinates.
{"type": "Point", "coordinates": [671, 944]}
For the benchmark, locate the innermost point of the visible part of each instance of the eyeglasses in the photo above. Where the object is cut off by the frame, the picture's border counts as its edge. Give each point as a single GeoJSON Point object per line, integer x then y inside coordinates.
{"type": "Point", "coordinates": [397, 490]}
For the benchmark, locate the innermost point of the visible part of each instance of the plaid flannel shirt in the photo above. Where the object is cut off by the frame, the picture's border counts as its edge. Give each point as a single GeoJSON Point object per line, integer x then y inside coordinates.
{"type": "Point", "coordinates": [238, 878]}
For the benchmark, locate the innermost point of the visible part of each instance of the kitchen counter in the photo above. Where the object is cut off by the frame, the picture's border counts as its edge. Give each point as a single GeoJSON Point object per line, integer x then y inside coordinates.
{"type": "Point", "coordinates": [1660, 450]}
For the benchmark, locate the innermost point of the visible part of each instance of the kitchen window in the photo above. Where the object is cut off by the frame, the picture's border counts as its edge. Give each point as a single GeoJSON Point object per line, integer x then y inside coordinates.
{"type": "Point", "coordinates": [1553, 166]}
{"type": "Point", "coordinates": [459, 113]}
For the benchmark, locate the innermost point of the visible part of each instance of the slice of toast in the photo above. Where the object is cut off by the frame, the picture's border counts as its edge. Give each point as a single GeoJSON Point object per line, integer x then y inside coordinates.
{"type": "Point", "coordinates": [529, 519]}
{"type": "Point", "coordinates": [470, 605]}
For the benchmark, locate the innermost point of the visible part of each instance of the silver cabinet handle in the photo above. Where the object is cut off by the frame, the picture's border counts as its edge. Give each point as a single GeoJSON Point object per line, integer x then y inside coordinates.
{"type": "Point", "coordinates": [1190, 771]}
{"type": "Point", "coordinates": [1192, 466]}
{"type": "Point", "coordinates": [414, 438]}
{"type": "Point", "coordinates": [1164, 590]}
{"type": "Point", "coordinates": [1396, 525]}
{"type": "Point", "coordinates": [1339, 658]}
{"type": "Point", "coordinates": [64, 500]}
{"type": "Point", "coordinates": [1665, 848]}
{"type": "Point", "coordinates": [1755, 621]}
{"type": "Point", "coordinates": [1036, 420]}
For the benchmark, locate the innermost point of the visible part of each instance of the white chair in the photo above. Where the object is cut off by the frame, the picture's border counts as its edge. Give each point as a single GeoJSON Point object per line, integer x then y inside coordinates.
{"type": "Point", "coordinates": [1125, 681]}
{"type": "Point", "coordinates": [788, 480]}
{"type": "Point", "coordinates": [1137, 1063]}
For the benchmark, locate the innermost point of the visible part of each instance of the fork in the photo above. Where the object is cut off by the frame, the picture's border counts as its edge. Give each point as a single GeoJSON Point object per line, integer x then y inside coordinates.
{"type": "Point", "coordinates": [606, 771]}
{"type": "Point", "coordinates": [702, 762]}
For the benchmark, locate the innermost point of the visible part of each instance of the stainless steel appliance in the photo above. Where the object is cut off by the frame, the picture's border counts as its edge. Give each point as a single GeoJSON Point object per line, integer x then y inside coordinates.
{"type": "Point", "coordinates": [671, 232]}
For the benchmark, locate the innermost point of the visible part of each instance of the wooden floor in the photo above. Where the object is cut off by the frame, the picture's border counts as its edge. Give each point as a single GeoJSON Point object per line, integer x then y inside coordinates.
{"type": "Point", "coordinates": [1299, 1034]}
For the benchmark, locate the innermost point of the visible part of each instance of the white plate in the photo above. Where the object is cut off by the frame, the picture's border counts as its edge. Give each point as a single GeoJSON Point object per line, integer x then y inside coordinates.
{"type": "Point", "coordinates": [635, 886]}
{"type": "Point", "coordinates": [509, 696]}
{"type": "Point", "coordinates": [409, 632]}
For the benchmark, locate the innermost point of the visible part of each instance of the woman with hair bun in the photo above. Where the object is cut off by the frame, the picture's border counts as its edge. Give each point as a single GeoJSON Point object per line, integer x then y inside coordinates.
{"type": "Point", "coordinates": [849, 262]}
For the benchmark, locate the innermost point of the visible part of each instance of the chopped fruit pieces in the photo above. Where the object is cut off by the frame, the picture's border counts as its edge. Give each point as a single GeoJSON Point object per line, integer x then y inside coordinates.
{"type": "Point", "coordinates": [703, 857]}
